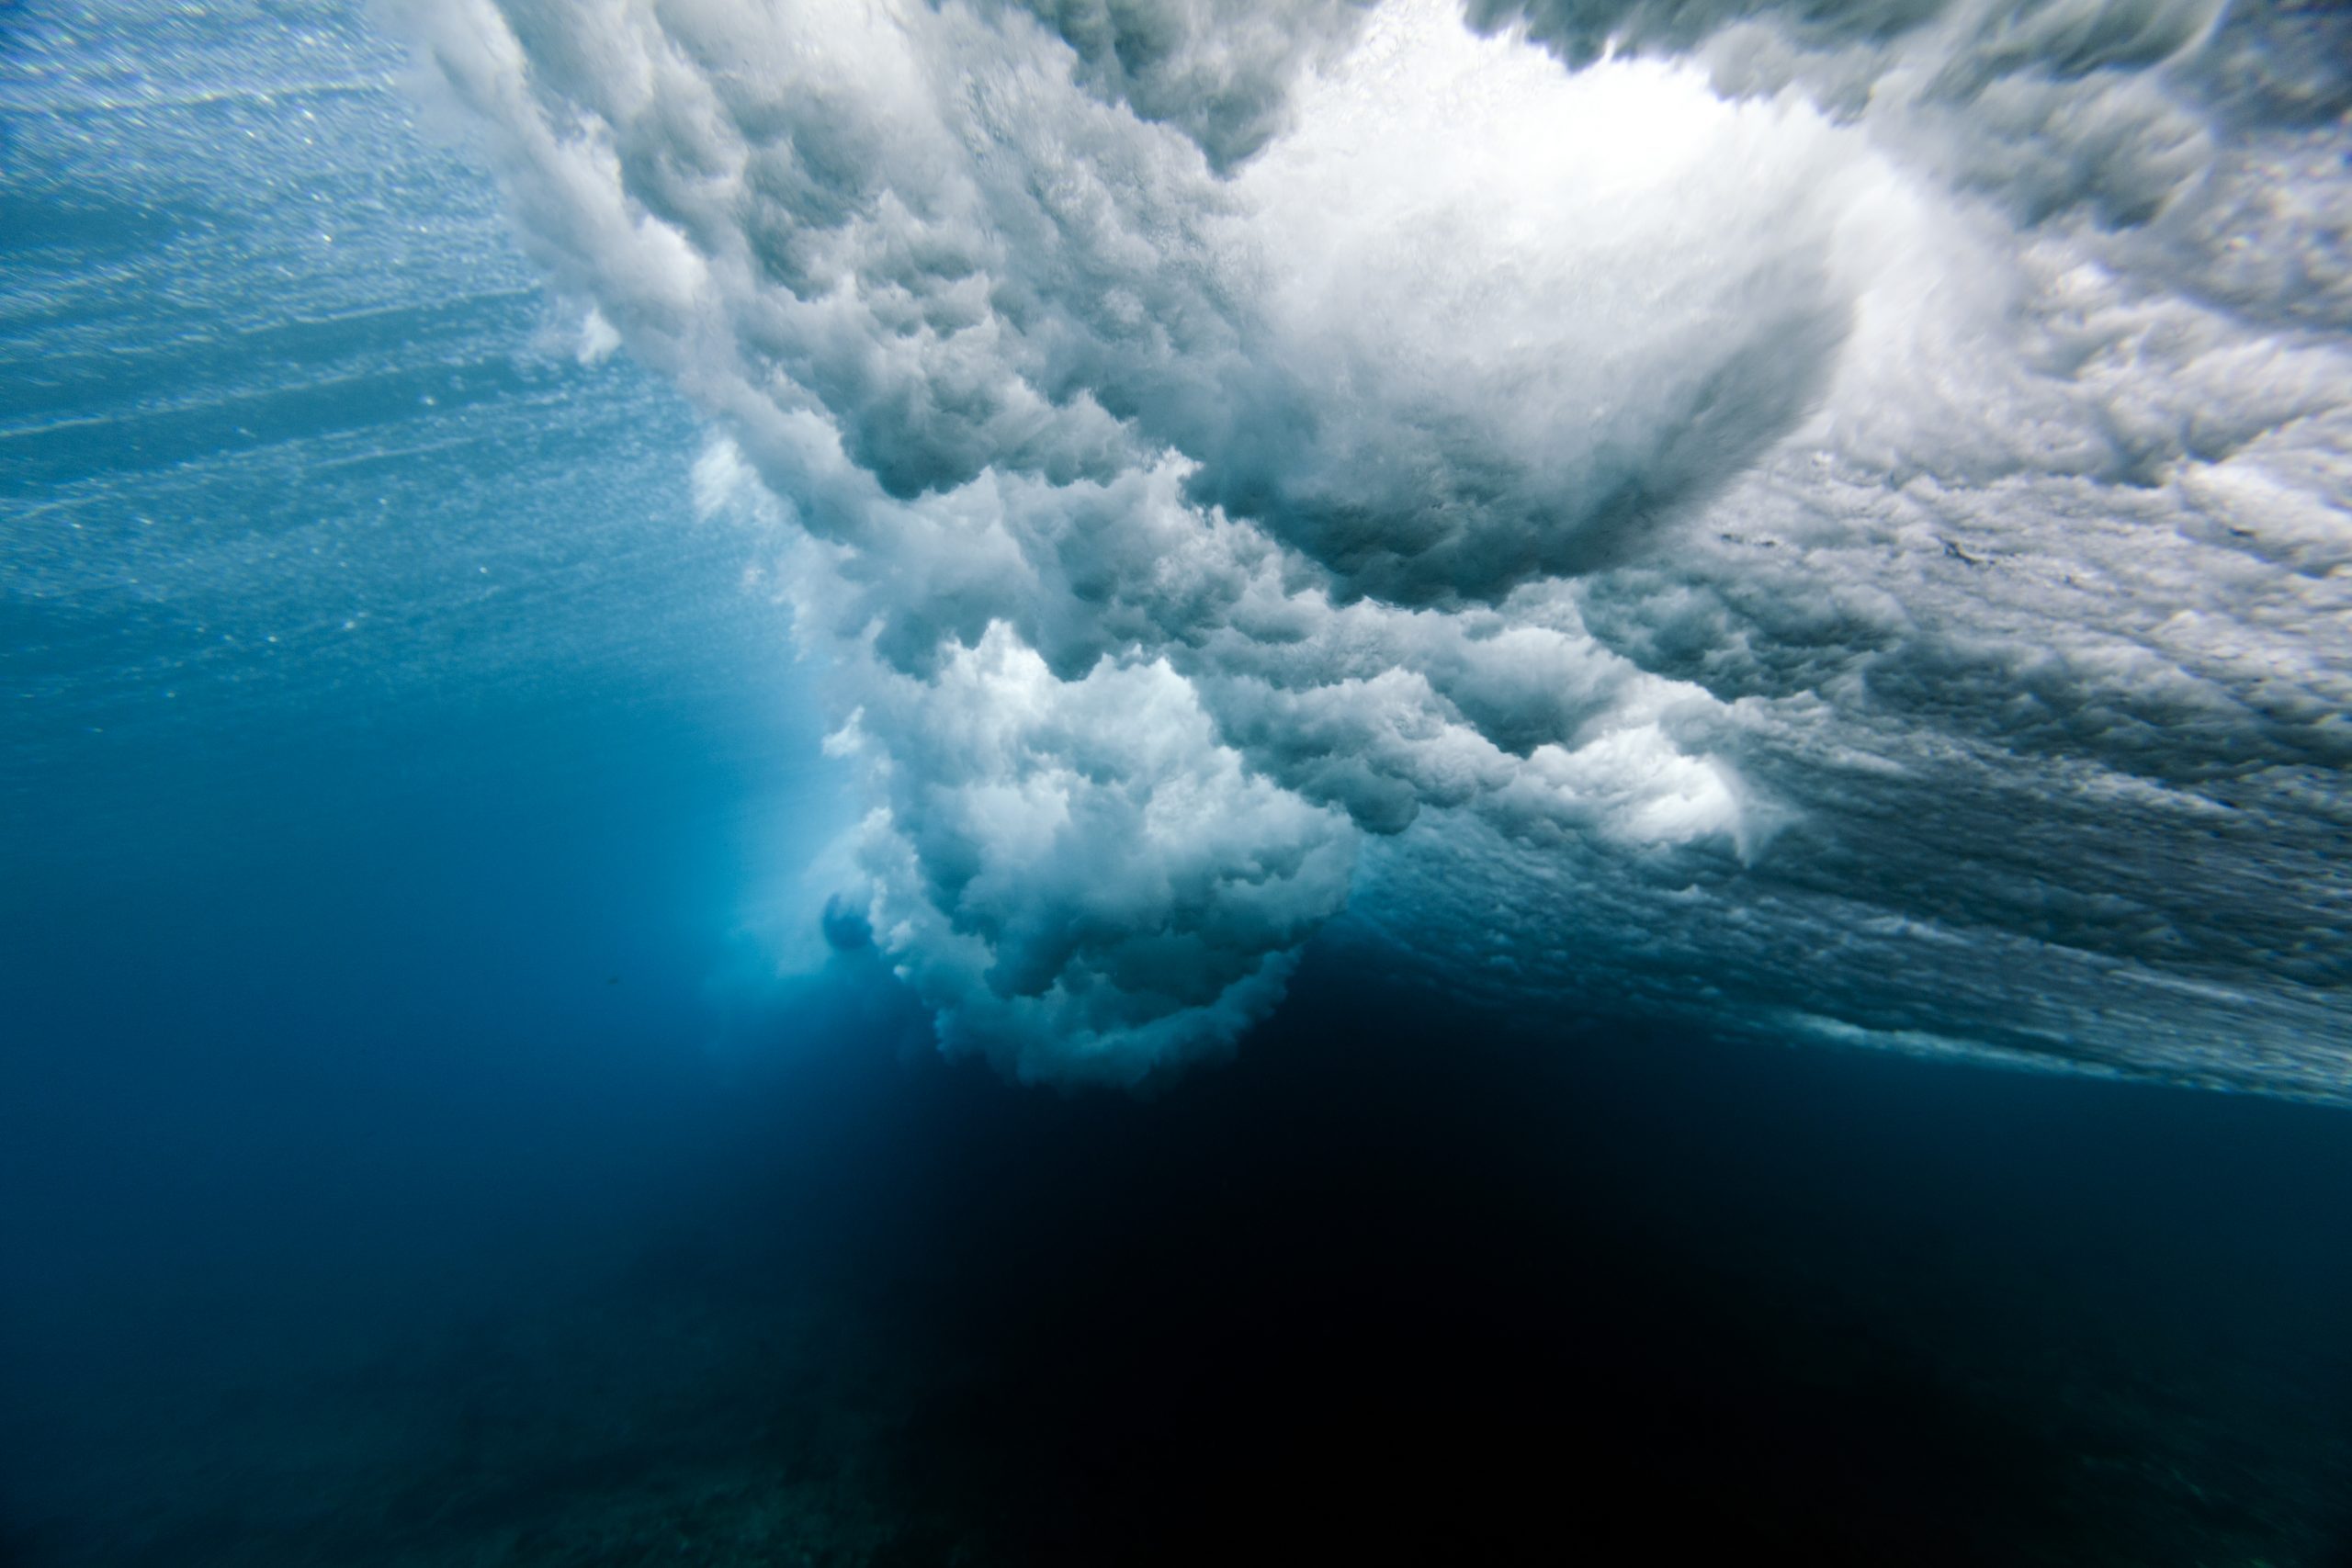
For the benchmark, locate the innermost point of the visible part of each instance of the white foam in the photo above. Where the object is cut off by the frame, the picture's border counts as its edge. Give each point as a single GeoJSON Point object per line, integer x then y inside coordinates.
{"type": "Point", "coordinates": [1786, 478]}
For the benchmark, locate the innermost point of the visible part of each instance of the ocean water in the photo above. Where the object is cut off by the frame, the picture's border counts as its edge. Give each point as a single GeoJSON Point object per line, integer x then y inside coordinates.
{"type": "Point", "coordinates": [413, 1149]}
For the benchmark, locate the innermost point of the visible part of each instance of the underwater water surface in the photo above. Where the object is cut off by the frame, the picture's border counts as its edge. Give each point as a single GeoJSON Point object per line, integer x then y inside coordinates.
{"type": "Point", "coordinates": [413, 1148]}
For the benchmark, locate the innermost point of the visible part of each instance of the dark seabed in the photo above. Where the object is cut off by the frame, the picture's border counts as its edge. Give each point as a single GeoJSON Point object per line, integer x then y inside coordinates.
{"type": "Point", "coordinates": [383, 1219]}
{"type": "Point", "coordinates": [409, 1155]}
{"type": "Point", "coordinates": [1508, 1288]}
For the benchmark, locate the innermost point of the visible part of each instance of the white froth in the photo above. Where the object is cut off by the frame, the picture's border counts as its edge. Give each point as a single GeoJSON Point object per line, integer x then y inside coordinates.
{"type": "Point", "coordinates": [1824, 513]}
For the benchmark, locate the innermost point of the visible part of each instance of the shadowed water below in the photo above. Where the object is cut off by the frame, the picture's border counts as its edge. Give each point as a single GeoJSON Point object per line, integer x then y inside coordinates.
{"type": "Point", "coordinates": [1386, 1288]}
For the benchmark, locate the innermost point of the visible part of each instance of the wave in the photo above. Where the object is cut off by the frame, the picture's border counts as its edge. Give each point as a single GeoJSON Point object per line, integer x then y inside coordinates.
{"type": "Point", "coordinates": [1816, 520]}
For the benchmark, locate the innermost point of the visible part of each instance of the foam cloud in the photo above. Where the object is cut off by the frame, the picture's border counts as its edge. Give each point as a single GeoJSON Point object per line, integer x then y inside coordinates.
{"type": "Point", "coordinates": [1811, 517]}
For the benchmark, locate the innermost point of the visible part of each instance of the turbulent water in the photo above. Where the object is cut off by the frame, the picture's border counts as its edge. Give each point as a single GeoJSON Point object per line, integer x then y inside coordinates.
{"type": "Point", "coordinates": [655, 656]}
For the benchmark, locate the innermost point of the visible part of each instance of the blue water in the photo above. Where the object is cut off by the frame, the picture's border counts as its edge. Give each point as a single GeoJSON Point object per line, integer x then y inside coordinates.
{"type": "Point", "coordinates": [410, 1152]}
{"type": "Point", "coordinates": [394, 766]}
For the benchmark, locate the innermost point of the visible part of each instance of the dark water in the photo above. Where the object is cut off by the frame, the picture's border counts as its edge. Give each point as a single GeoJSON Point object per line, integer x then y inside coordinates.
{"type": "Point", "coordinates": [388, 1182]}
{"type": "Point", "coordinates": [409, 1155]}
{"type": "Point", "coordinates": [1399, 1285]}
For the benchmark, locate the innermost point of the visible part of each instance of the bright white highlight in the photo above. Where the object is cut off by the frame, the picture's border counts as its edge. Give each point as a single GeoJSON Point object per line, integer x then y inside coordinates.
{"type": "Point", "coordinates": [1553, 305]}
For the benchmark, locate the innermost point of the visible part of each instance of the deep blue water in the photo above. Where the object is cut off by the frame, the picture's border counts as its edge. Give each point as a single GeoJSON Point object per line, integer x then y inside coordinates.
{"type": "Point", "coordinates": [409, 1153]}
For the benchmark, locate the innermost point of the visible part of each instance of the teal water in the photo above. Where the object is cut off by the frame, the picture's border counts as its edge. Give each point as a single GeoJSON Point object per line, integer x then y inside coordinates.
{"type": "Point", "coordinates": [409, 1153]}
